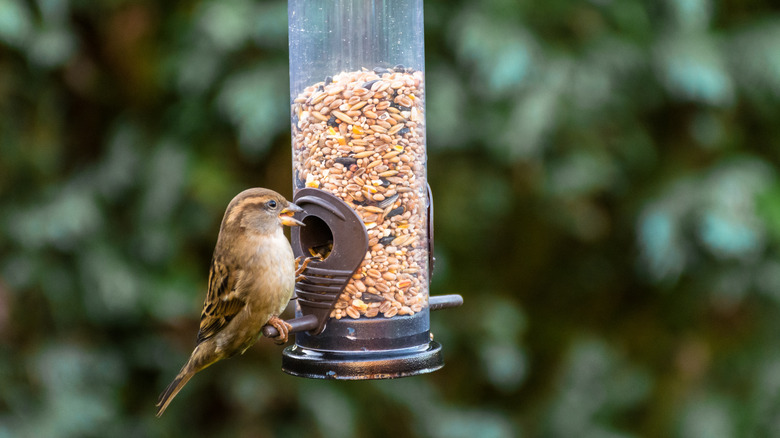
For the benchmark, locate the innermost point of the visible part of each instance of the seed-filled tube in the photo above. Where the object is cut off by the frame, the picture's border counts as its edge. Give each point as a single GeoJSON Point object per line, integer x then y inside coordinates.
{"type": "Point", "coordinates": [358, 131]}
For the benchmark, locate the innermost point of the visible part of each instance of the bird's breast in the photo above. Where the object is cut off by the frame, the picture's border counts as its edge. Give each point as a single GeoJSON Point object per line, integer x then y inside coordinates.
{"type": "Point", "coordinates": [273, 268]}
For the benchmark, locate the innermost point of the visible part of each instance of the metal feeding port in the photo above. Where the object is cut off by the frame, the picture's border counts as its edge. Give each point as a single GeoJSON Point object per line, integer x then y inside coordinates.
{"type": "Point", "coordinates": [357, 113]}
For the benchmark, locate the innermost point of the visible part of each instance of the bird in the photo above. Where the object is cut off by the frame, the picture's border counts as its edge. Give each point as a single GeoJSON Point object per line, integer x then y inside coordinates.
{"type": "Point", "coordinates": [251, 281]}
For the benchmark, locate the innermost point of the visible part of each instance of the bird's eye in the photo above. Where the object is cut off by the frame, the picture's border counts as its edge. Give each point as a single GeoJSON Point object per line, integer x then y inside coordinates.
{"type": "Point", "coordinates": [271, 204]}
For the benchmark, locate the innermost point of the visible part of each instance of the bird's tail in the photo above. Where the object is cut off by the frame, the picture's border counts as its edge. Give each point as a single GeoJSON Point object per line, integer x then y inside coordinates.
{"type": "Point", "coordinates": [192, 366]}
{"type": "Point", "coordinates": [170, 392]}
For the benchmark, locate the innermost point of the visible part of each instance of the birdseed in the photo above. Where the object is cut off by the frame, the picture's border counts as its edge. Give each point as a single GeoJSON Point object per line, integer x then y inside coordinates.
{"type": "Point", "coordinates": [361, 136]}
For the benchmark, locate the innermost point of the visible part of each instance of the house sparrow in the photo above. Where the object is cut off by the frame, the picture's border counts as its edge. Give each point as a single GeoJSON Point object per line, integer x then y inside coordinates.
{"type": "Point", "coordinates": [251, 281]}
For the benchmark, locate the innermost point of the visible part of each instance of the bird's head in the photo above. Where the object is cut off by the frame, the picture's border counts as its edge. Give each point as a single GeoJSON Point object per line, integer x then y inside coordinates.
{"type": "Point", "coordinates": [262, 210]}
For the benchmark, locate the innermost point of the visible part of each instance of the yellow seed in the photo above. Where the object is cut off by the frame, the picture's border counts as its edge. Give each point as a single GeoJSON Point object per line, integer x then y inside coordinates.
{"type": "Point", "coordinates": [360, 305]}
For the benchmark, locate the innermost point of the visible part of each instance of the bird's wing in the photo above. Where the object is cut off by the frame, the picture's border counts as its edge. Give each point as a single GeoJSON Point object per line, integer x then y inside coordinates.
{"type": "Point", "coordinates": [223, 301]}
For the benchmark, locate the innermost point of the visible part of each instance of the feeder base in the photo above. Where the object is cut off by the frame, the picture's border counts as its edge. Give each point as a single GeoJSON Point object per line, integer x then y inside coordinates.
{"type": "Point", "coordinates": [388, 364]}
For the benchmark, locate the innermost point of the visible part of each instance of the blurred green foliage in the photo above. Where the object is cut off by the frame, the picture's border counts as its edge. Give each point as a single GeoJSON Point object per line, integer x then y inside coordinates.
{"type": "Point", "coordinates": [607, 202]}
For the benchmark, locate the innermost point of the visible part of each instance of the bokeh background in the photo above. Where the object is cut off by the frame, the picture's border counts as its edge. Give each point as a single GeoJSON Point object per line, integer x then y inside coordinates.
{"type": "Point", "coordinates": [607, 202]}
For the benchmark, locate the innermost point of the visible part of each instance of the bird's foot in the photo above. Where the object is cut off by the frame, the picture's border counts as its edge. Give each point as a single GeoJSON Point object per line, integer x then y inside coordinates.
{"type": "Point", "coordinates": [282, 327]}
{"type": "Point", "coordinates": [300, 267]}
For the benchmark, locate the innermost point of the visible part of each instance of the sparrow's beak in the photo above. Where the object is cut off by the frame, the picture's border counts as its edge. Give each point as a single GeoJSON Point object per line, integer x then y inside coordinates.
{"type": "Point", "coordinates": [287, 218]}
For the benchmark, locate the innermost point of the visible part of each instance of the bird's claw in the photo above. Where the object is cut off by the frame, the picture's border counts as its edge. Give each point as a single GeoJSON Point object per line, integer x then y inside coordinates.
{"type": "Point", "coordinates": [282, 327]}
{"type": "Point", "coordinates": [301, 263]}
{"type": "Point", "coordinates": [300, 267]}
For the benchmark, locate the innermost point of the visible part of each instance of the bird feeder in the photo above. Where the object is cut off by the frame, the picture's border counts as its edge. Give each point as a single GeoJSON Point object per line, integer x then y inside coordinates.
{"type": "Point", "coordinates": [357, 88]}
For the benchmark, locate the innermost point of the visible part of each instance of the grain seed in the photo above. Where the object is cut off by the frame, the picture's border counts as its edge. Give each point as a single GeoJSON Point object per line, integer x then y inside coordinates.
{"type": "Point", "coordinates": [343, 117]}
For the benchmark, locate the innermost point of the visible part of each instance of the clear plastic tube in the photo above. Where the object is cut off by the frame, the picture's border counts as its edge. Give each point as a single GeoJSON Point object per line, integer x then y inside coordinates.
{"type": "Point", "coordinates": [357, 89]}
{"type": "Point", "coordinates": [328, 37]}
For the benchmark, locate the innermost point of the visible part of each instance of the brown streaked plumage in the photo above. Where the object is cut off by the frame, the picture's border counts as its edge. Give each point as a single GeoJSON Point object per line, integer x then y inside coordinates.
{"type": "Point", "coordinates": [251, 281]}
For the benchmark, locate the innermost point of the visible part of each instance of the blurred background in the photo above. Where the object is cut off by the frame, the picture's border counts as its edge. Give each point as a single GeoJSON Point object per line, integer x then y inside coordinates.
{"type": "Point", "coordinates": [607, 203]}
